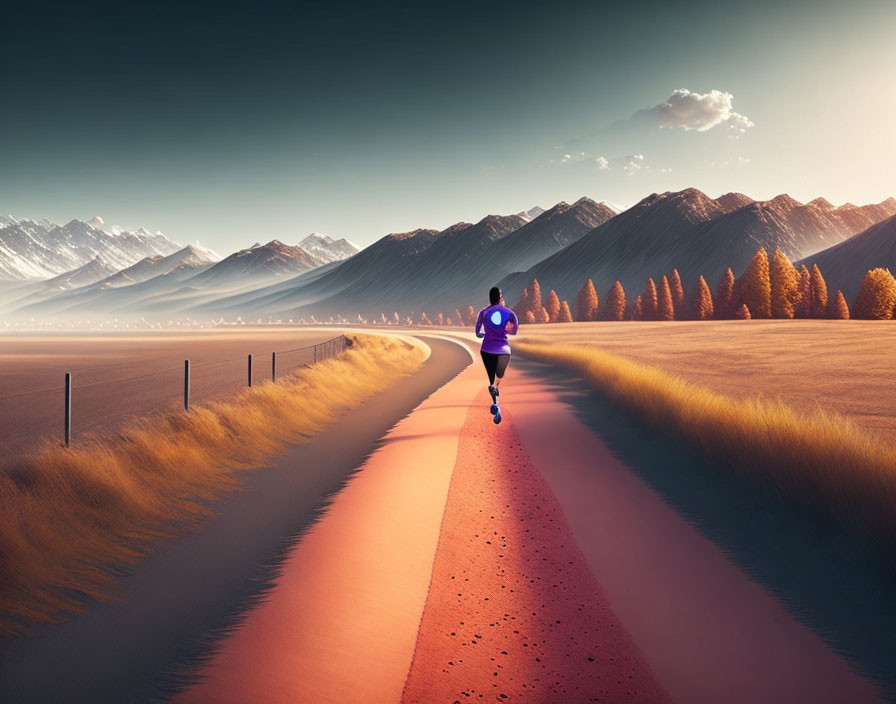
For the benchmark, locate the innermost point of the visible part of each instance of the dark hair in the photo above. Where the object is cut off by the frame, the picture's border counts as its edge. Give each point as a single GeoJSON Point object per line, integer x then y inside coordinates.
{"type": "Point", "coordinates": [494, 295]}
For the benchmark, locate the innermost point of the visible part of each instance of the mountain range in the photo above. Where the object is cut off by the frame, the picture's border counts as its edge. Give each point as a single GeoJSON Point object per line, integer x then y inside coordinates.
{"type": "Point", "coordinates": [432, 270]}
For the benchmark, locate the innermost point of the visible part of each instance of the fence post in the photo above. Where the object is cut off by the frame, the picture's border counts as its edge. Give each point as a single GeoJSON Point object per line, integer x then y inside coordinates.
{"type": "Point", "coordinates": [273, 366]}
{"type": "Point", "coordinates": [68, 408]}
{"type": "Point", "coordinates": [250, 370]}
{"type": "Point", "coordinates": [186, 384]}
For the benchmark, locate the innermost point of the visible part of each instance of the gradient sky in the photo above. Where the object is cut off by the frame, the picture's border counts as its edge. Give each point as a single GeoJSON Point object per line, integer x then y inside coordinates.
{"type": "Point", "coordinates": [230, 124]}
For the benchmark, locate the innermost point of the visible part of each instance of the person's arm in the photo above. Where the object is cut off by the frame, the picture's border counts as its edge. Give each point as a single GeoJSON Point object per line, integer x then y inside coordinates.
{"type": "Point", "coordinates": [479, 321]}
{"type": "Point", "coordinates": [514, 321]}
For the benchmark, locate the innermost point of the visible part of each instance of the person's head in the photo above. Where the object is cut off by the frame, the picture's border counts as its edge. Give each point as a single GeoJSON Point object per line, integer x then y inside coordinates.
{"type": "Point", "coordinates": [494, 295]}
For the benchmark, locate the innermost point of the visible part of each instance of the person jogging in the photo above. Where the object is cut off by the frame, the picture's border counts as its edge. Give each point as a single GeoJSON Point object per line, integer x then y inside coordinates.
{"type": "Point", "coordinates": [493, 324]}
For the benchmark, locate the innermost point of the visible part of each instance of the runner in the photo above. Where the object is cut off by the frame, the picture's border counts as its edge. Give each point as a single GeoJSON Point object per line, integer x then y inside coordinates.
{"type": "Point", "coordinates": [492, 325]}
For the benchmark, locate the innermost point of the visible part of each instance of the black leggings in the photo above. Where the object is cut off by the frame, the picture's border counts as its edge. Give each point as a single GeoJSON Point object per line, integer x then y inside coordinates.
{"type": "Point", "coordinates": [495, 365]}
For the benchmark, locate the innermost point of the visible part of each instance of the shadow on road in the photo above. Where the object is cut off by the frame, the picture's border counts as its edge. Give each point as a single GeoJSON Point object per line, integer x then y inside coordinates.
{"type": "Point", "coordinates": [829, 580]}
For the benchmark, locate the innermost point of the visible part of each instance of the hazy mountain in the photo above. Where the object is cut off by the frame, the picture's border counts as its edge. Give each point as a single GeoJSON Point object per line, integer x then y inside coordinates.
{"type": "Point", "coordinates": [39, 249]}
{"type": "Point", "coordinates": [845, 264]}
{"type": "Point", "coordinates": [91, 272]}
{"type": "Point", "coordinates": [248, 266]}
{"type": "Point", "coordinates": [694, 233]}
{"type": "Point", "coordinates": [326, 248]}
{"type": "Point", "coordinates": [192, 256]}
{"type": "Point", "coordinates": [548, 233]}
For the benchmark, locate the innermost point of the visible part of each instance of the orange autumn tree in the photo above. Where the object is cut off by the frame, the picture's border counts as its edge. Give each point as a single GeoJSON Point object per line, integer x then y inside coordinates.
{"type": "Point", "coordinates": [724, 301]}
{"type": "Point", "coordinates": [803, 294]}
{"type": "Point", "coordinates": [839, 309]}
{"type": "Point", "coordinates": [877, 296]}
{"type": "Point", "coordinates": [754, 289]}
{"type": "Point", "coordinates": [678, 298]}
{"type": "Point", "coordinates": [530, 316]}
{"type": "Point", "coordinates": [743, 313]}
{"type": "Point", "coordinates": [471, 315]}
{"type": "Point", "coordinates": [785, 281]}
{"type": "Point", "coordinates": [650, 301]}
{"type": "Point", "coordinates": [565, 316]}
{"type": "Point", "coordinates": [614, 308]}
{"type": "Point", "coordinates": [522, 306]}
{"type": "Point", "coordinates": [637, 309]}
{"type": "Point", "coordinates": [665, 307]}
{"type": "Point", "coordinates": [458, 318]}
{"type": "Point", "coordinates": [553, 307]}
{"type": "Point", "coordinates": [424, 319]}
{"type": "Point", "coordinates": [587, 303]}
{"type": "Point", "coordinates": [818, 293]}
{"type": "Point", "coordinates": [703, 309]}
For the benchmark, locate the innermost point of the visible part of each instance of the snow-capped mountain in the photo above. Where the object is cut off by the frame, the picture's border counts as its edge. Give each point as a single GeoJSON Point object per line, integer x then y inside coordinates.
{"type": "Point", "coordinates": [39, 249]}
{"type": "Point", "coordinates": [326, 248]}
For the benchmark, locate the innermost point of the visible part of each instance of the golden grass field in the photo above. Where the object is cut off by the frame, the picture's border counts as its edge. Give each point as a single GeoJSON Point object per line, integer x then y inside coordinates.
{"type": "Point", "coordinates": [845, 366]}
{"type": "Point", "coordinates": [812, 456]}
{"type": "Point", "coordinates": [70, 514]}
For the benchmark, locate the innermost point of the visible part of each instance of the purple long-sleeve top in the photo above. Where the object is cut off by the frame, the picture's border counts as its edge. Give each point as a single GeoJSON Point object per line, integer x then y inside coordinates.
{"type": "Point", "coordinates": [492, 326]}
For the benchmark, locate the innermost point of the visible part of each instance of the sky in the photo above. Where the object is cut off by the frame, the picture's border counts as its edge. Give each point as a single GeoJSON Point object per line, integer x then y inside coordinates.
{"type": "Point", "coordinates": [228, 123]}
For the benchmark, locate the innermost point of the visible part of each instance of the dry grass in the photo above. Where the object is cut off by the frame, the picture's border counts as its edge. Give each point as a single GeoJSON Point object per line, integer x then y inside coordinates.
{"type": "Point", "coordinates": [842, 366]}
{"type": "Point", "coordinates": [68, 516]}
{"type": "Point", "coordinates": [817, 458]}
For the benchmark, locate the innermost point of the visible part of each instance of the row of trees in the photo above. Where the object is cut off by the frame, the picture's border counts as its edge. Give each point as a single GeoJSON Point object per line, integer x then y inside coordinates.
{"type": "Point", "coordinates": [767, 289]}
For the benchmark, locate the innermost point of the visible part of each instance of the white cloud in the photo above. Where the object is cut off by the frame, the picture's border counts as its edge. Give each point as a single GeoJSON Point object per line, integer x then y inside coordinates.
{"type": "Point", "coordinates": [601, 162]}
{"type": "Point", "coordinates": [698, 111]}
{"type": "Point", "coordinates": [629, 164]}
{"type": "Point", "coordinates": [632, 163]}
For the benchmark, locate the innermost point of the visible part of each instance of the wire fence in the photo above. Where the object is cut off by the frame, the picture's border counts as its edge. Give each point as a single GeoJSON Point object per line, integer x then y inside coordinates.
{"type": "Point", "coordinates": [106, 400]}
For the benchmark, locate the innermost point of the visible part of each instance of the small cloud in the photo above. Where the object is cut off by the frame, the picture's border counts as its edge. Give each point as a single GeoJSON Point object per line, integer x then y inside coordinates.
{"type": "Point", "coordinates": [736, 161]}
{"type": "Point", "coordinates": [698, 112]}
{"type": "Point", "coordinates": [629, 164]}
{"type": "Point", "coordinates": [601, 162]}
{"type": "Point", "coordinates": [632, 163]}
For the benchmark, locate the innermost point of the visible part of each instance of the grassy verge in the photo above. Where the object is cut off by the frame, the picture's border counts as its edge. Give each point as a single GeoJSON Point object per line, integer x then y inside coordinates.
{"type": "Point", "coordinates": [820, 460]}
{"type": "Point", "coordinates": [69, 516]}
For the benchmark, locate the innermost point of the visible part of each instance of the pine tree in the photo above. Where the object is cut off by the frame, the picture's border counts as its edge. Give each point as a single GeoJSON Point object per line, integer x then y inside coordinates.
{"type": "Point", "coordinates": [743, 313]}
{"type": "Point", "coordinates": [724, 301]}
{"type": "Point", "coordinates": [448, 321]}
{"type": "Point", "coordinates": [535, 302]}
{"type": "Point", "coordinates": [877, 296]}
{"type": "Point", "coordinates": [458, 317]}
{"type": "Point", "coordinates": [522, 306]}
{"type": "Point", "coordinates": [587, 304]}
{"type": "Point", "coordinates": [424, 319]}
{"type": "Point", "coordinates": [553, 307]}
{"type": "Point", "coordinates": [530, 316]}
{"type": "Point", "coordinates": [471, 315]}
{"type": "Point", "coordinates": [702, 301]}
{"type": "Point", "coordinates": [679, 301]}
{"type": "Point", "coordinates": [565, 315]}
{"type": "Point", "coordinates": [614, 308]}
{"type": "Point", "coordinates": [818, 293]}
{"type": "Point", "coordinates": [754, 288]}
{"type": "Point", "coordinates": [785, 282]}
{"type": "Point", "coordinates": [666, 309]}
{"type": "Point", "coordinates": [441, 319]}
{"type": "Point", "coordinates": [637, 309]}
{"type": "Point", "coordinates": [839, 309]}
{"type": "Point", "coordinates": [803, 299]}
{"type": "Point", "coordinates": [650, 307]}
